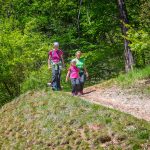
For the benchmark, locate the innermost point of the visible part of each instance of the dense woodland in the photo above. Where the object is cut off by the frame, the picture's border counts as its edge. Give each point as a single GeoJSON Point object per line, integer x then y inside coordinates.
{"type": "Point", "coordinates": [99, 28]}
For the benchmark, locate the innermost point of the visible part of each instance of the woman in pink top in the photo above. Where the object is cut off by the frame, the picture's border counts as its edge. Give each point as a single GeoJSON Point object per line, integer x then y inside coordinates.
{"type": "Point", "coordinates": [73, 73]}
{"type": "Point", "coordinates": [56, 61]}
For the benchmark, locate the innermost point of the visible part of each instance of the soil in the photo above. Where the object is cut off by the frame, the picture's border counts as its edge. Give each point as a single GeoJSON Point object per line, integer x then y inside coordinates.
{"type": "Point", "coordinates": [125, 100]}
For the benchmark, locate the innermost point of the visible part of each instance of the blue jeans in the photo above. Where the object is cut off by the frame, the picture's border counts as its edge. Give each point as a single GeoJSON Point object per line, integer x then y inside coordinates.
{"type": "Point", "coordinates": [82, 80]}
{"type": "Point", "coordinates": [75, 85]}
{"type": "Point", "coordinates": [56, 75]}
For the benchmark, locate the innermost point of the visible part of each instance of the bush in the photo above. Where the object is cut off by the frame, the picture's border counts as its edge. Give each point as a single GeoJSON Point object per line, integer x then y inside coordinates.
{"type": "Point", "coordinates": [37, 79]}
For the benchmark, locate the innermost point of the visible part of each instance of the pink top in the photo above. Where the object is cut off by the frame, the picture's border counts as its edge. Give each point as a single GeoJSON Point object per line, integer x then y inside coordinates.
{"type": "Point", "coordinates": [74, 72]}
{"type": "Point", "coordinates": [56, 55]}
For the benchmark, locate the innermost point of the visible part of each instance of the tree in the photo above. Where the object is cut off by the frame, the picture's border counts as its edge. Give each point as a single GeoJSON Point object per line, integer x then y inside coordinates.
{"type": "Point", "coordinates": [124, 21]}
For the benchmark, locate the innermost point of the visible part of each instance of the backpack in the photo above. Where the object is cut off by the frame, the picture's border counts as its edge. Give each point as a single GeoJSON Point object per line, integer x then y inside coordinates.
{"type": "Point", "coordinates": [56, 64]}
{"type": "Point", "coordinates": [53, 53]}
{"type": "Point", "coordinates": [57, 54]}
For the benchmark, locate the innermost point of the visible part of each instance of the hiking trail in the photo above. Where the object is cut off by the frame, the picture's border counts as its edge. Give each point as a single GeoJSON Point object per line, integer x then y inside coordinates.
{"type": "Point", "coordinates": [125, 100]}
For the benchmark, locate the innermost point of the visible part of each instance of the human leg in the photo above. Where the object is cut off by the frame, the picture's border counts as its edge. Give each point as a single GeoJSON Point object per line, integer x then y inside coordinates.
{"type": "Point", "coordinates": [82, 81]}
{"type": "Point", "coordinates": [78, 87]}
{"type": "Point", "coordinates": [59, 79]}
{"type": "Point", "coordinates": [73, 83]}
{"type": "Point", "coordinates": [55, 77]}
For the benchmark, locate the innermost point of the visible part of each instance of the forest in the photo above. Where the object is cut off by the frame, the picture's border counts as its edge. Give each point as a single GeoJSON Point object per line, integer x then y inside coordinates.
{"type": "Point", "coordinates": [114, 36]}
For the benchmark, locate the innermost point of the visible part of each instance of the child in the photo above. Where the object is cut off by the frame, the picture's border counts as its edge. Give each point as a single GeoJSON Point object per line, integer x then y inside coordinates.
{"type": "Point", "coordinates": [73, 73]}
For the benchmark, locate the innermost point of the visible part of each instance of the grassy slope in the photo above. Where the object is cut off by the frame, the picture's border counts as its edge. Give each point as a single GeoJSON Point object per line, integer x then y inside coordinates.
{"type": "Point", "coordinates": [47, 120]}
{"type": "Point", "coordinates": [138, 80]}
{"type": "Point", "coordinates": [133, 77]}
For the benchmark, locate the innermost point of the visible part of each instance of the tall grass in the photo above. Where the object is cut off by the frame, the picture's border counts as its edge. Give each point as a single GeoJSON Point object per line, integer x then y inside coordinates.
{"type": "Point", "coordinates": [133, 76]}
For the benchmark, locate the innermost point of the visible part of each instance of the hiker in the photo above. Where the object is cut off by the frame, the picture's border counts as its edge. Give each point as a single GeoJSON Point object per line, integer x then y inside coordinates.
{"type": "Point", "coordinates": [56, 62]}
{"type": "Point", "coordinates": [73, 73]}
{"type": "Point", "coordinates": [83, 71]}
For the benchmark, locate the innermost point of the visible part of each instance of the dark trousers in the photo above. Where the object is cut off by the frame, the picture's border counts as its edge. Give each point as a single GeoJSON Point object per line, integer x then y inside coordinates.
{"type": "Point", "coordinates": [56, 75]}
{"type": "Point", "coordinates": [75, 85]}
{"type": "Point", "coordinates": [82, 80]}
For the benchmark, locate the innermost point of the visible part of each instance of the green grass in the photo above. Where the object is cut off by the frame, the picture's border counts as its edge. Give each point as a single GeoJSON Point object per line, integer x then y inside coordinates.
{"type": "Point", "coordinates": [133, 76]}
{"type": "Point", "coordinates": [56, 120]}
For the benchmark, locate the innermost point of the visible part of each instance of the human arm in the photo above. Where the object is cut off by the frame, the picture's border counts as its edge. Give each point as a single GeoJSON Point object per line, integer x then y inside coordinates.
{"type": "Point", "coordinates": [49, 62]}
{"type": "Point", "coordinates": [67, 76]}
{"type": "Point", "coordinates": [86, 72]}
{"type": "Point", "coordinates": [62, 61]}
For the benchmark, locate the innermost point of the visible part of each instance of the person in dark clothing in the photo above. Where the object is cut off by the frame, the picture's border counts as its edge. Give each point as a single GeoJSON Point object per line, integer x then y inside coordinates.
{"type": "Point", "coordinates": [56, 62]}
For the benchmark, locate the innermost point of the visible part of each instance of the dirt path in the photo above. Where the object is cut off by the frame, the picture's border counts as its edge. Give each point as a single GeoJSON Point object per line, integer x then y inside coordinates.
{"type": "Point", "coordinates": [137, 105]}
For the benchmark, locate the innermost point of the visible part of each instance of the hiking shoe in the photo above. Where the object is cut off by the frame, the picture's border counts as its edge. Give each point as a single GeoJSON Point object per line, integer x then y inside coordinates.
{"type": "Point", "coordinates": [59, 89]}
{"type": "Point", "coordinates": [81, 92]}
{"type": "Point", "coordinates": [74, 93]}
{"type": "Point", "coordinates": [54, 89]}
{"type": "Point", "coordinates": [49, 84]}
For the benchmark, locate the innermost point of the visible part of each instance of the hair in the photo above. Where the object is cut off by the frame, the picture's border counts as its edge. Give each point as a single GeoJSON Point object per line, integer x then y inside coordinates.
{"type": "Point", "coordinates": [72, 61]}
{"type": "Point", "coordinates": [78, 52]}
{"type": "Point", "coordinates": [56, 44]}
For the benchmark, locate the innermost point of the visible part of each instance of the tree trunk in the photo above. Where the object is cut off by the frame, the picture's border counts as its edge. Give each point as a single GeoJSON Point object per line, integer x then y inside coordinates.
{"type": "Point", "coordinates": [124, 20]}
{"type": "Point", "coordinates": [78, 19]}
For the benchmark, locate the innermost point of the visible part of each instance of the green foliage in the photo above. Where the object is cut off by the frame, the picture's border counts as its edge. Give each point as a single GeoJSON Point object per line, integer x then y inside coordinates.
{"type": "Point", "coordinates": [101, 62]}
{"type": "Point", "coordinates": [139, 31]}
{"type": "Point", "coordinates": [140, 45]}
{"type": "Point", "coordinates": [36, 80]}
{"type": "Point", "coordinates": [20, 53]}
{"type": "Point", "coordinates": [28, 29]}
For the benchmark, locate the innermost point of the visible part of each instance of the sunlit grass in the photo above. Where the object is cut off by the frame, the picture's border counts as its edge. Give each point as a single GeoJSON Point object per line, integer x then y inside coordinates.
{"type": "Point", "coordinates": [133, 76]}
{"type": "Point", "coordinates": [48, 120]}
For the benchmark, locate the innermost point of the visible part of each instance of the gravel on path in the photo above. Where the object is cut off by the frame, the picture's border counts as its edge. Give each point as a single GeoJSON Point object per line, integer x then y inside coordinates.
{"type": "Point", "coordinates": [136, 104]}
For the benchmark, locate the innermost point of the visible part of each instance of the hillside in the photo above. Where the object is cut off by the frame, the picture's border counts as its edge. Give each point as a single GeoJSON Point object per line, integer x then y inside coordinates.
{"type": "Point", "coordinates": [56, 120]}
{"type": "Point", "coordinates": [128, 93]}
{"type": "Point", "coordinates": [125, 100]}
{"type": "Point", "coordinates": [114, 39]}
